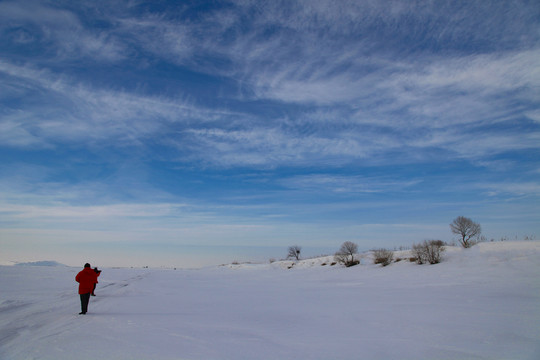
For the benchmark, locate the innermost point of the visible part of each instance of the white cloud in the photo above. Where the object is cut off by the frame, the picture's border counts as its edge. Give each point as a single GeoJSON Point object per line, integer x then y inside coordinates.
{"type": "Point", "coordinates": [486, 73]}
{"type": "Point", "coordinates": [346, 184]}
{"type": "Point", "coordinates": [61, 31]}
{"type": "Point", "coordinates": [90, 213]}
{"type": "Point", "coordinates": [275, 147]}
{"type": "Point", "coordinates": [13, 133]}
{"type": "Point", "coordinates": [80, 113]}
{"type": "Point", "coordinates": [358, 97]}
{"type": "Point", "coordinates": [525, 188]}
{"type": "Point", "coordinates": [533, 115]}
{"type": "Point", "coordinates": [92, 117]}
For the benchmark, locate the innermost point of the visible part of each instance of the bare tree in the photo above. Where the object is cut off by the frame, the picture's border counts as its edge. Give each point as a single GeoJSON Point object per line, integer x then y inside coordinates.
{"type": "Point", "coordinates": [294, 252]}
{"type": "Point", "coordinates": [346, 254]}
{"type": "Point", "coordinates": [430, 251]}
{"type": "Point", "coordinates": [467, 229]}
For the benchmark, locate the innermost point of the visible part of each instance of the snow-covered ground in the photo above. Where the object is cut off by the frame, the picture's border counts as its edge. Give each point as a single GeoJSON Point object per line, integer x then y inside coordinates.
{"type": "Point", "coordinates": [480, 303]}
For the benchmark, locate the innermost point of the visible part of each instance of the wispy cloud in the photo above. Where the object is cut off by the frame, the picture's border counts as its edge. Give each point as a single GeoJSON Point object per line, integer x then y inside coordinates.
{"type": "Point", "coordinates": [385, 101]}
{"type": "Point", "coordinates": [60, 30]}
{"type": "Point", "coordinates": [515, 188]}
{"type": "Point", "coordinates": [347, 184]}
{"type": "Point", "coordinates": [273, 147]}
{"type": "Point", "coordinates": [96, 116]}
{"type": "Point", "coordinates": [82, 113]}
{"type": "Point", "coordinates": [90, 213]}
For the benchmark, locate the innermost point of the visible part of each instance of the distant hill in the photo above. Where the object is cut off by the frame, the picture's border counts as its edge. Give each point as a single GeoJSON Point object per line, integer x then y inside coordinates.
{"type": "Point", "coordinates": [41, 263]}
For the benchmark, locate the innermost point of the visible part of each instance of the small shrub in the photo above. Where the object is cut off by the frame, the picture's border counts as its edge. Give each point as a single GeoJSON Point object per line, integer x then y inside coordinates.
{"type": "Point", "coordinates": [418, 252]}
{"type": "Point", "coordinates": [383, 256]}
{"type": "Point", "coordinates": [347, 260]}
{"type": "Point", "coordinates": [430, 251]}
{"type": "Point", "coordinates": [349, 263]}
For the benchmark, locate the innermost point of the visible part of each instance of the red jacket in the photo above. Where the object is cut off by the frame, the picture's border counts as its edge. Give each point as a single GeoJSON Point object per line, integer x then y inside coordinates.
{"type": "Point", "coordinates": [86, 279]}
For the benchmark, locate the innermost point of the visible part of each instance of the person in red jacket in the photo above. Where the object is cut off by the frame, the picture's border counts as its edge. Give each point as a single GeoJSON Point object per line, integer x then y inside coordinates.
{"type": "Point", "coordinates": [86, 279]}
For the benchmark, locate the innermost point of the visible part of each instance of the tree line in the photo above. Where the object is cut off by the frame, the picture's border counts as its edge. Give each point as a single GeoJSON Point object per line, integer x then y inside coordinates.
{"type": "Point", "coordinates": [429, 251]}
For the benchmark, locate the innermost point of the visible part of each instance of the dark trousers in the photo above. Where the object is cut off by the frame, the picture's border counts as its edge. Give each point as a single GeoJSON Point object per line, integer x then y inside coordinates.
{"type": "Point", "coordinates": [85, 299]}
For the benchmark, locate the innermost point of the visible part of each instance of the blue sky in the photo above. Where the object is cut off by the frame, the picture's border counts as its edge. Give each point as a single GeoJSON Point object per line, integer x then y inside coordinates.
{"type": "Point", "coordinates": [188, 133]}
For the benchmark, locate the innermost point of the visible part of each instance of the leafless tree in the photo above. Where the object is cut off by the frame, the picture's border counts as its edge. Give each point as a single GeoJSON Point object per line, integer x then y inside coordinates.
{"type": "Point", "coordinates": [347, 254]}
{"type": "Point", "coordinates": [430, 251]}
{"type": "Point", "coordinates": [294, 252]}
{"type": "Point", "coordinates": [467, 229]}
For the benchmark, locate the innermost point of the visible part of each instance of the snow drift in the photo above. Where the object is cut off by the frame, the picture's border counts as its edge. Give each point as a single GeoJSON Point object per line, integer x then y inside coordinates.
{"type": "Point", "coordinates": [479, 303]}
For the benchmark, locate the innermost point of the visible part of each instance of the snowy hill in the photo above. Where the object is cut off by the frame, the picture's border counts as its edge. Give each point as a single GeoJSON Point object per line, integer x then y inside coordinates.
{"type": "Point", "coordinates": [479, 303]}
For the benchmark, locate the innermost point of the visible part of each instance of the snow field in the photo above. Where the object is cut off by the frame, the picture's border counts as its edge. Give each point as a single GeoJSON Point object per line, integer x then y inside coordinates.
{"type": "Point", "coordinates": [479, 303]}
